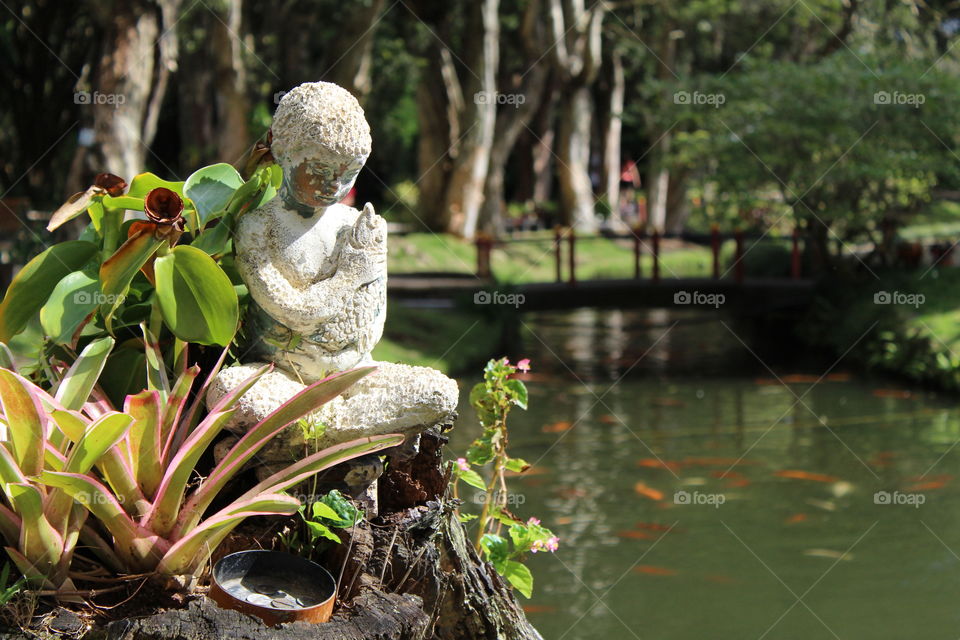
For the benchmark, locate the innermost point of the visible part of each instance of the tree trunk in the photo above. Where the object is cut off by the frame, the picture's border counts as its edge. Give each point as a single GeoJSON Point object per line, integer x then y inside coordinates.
{"type": "Point", "coordinates": [542, 154]}
{"type": "Point", "coordinates": [658, 180]}
{"type": "Point", "coordinates": [612, 129]}
{"type": "Point", "coordinates": [438, 124]}
{"type": "Point", "coordinates": [658, 184]}
{"type": "Point", "coordinates": [233, 107]}
{"type": "Point", "coordinates": [139, 52]}
{"type": "Point", "coordinates": [458, 123]}
{"type": "Point", "coordinates": [469, 172]}
{"type": "Point", "coordinates": [678, 205]}
{"type": "Point", "coordinates": [576, 55]}
{"type": "Point", "coordinates": [573, 150]}
{"type": "Point", "coordinates": [514, 116]}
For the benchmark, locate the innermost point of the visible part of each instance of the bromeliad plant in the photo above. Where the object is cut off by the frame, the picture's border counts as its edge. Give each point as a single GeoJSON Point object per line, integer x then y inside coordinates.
{"type": "Point", "coordinates": [131, 469]}
{"type": "Point", "coordinates": [492, 399]}
{"type": "Point", "coordinates": [170, 270]}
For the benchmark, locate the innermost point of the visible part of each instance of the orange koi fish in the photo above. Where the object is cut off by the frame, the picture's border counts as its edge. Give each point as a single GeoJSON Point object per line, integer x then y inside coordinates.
{"type": "Point", "coordinates": [648, 492]}
{"type": "Point", "coordinates": [805, 475]}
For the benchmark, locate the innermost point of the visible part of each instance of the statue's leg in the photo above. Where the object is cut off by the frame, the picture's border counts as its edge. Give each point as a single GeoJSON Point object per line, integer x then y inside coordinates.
{"type": "Point", "coordinates": [396, 398]}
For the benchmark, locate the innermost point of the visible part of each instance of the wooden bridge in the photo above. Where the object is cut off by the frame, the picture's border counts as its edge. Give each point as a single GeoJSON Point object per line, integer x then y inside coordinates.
{"type": "Point", "coordinates": [755, 295]}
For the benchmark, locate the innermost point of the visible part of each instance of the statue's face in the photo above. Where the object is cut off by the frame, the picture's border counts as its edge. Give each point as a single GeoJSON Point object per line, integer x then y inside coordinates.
{"type": "Point", "coordinates": [323, 182]}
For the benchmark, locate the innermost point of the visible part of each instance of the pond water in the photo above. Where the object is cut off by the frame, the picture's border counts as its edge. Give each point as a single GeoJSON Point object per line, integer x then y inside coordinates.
{"type": "Point", "coordinates": [698, 495]}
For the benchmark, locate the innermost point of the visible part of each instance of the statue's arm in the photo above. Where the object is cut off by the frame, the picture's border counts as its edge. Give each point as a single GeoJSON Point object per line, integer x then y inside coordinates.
{"type": "Point", "coordinates": [301, 307]}
{"type": "Point", "coordinates": [305, 307]}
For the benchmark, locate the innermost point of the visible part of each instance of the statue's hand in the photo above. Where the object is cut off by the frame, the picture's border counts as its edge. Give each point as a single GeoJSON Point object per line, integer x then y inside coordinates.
{"type": "Point", "coordinates": [365, 255]}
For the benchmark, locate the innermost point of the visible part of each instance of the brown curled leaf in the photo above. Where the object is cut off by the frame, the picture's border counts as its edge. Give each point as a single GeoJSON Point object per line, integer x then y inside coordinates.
{"type": "Point", "coordinates": [113, 185]}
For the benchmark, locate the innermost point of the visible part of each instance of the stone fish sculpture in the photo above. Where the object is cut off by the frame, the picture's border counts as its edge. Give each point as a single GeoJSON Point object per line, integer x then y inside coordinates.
{"type": "Point", "coordinates": [317, 275]}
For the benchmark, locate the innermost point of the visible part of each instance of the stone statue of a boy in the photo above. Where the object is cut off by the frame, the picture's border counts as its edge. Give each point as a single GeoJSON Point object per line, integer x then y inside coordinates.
{"type": "Point", "coordinates": [317, 273]}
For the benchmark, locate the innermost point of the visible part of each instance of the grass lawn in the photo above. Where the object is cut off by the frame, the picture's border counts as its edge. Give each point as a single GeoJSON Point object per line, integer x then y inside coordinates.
{"type": "Point", "coordinates": [533, 260]}
{"type": "Point", "coordinates": [940, 219]}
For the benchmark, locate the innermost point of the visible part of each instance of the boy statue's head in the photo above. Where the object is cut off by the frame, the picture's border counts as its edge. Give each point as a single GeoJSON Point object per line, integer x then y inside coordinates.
{"type": "Point", "coordinates": [322, 140]}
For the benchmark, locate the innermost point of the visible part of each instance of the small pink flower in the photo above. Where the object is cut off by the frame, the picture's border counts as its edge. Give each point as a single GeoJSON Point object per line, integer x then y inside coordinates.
{"type": "Point", "coordinates": [536, 546]}
{"type": "Point", "coordinates": [533, 521]}
{"type": "Point", "coordinates": [553, 544]}
{"type": "Point", "coordinates": [524, 365]}
{"type": "Point", "coordinates": [463, 464]}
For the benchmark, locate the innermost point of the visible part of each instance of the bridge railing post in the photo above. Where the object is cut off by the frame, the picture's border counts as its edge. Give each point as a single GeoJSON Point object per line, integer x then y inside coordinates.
{"type": "Point", "coordinates": [572, 255]}
{"type": "Point", "coordinates": [656, 255]}
{"type": "Point", "coordinates": [715, 249]}
{"type": "Point", "coordinates": [795, 256]}
{"type": "Point", "coordinates": [484, 244]}
{"type": "Point", "coordinates": [558, 251]}
{"type": "Point", "coordinates": [738, 256]}
{"type": "Point", "coordinates": [637, 253]}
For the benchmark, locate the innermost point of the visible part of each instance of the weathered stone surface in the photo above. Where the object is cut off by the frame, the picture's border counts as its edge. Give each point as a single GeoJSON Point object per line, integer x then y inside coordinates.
{"type": "Point", "coordinates": [396, 398]}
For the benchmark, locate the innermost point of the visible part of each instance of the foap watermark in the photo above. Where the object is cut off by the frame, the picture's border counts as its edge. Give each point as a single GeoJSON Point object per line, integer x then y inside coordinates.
{"type": "Point", "coordinates": [899, 98]}
{"type": "Point", "coordinates": [899, 499]}
{"type": "Point", "coordinates": [898, 297]}
{"type": "Point", "coordinates": [495, 97]}
{"type": "Point", "coordinates": [97, 297]}
{"type": "Point", "coordinates": [714, 300]}
{"type": "Point", "coordinates": [95, 97]}
{"type": "Point", "coordinates": [513, 499]}
{"type": "Point", "coordinates": [697, 98]}
{"type": "Point", "coordinates": [96, 497]}
{"type": "Point", "coordinates": [696, 498]}
{"type": "Point", "coordinates": [497, 297]}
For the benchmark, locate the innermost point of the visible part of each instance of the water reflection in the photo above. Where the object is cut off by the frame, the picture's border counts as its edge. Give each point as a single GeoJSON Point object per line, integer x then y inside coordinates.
{"type": "Point", "coordinates": [676, 403]}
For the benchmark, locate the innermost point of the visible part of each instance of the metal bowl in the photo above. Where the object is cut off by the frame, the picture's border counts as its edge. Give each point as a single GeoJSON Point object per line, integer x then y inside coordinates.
{"type": "Point", "coordinates": [274, 586]}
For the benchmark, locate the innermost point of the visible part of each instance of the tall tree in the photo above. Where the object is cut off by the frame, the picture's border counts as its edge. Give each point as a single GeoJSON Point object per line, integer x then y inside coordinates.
{"type": "Point", "coordinates": [212, 95]}
{"type": "Point", "coordinates": [576, 54]}
{"type": "Point", "coordinates": [138, 54]}
{"type": "Point", "coordinates": [521, 88]}
{"type": "Point", "coordinates": [457, 96]}
{"type": "Point", "coordinates": [610, 101]}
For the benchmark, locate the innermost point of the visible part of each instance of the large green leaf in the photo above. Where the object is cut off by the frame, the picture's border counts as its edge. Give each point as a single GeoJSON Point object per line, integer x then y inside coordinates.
{"type": "Point", "coordinates": [35, 282]}
{"type": "Point", "coordinates": [105, 432]}
{"type": "Point", "coordinates": [196, 297]}
{"type": "Point", "coordinates": [70, 303]}
{"type": "Point", "coordinates": [144, 183]}
{"type": "Point", "coordinates": [22, 413]}
{"type": "Point", "coordinates": [100, 436]}
{"type": "Point", "coordinates": [118, 271]}
{"type": "Point", "coordinates": [211, 188]}
{"type": "Point", "coordinates": [215, 240]}
{"type": "Point", "coordinates": [82, 376]}
{"type": "Point", "coordinates": [124, 202]}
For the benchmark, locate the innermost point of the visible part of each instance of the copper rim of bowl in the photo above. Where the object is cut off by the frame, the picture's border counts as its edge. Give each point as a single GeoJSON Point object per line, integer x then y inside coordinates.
{"type": "Point", "coordinates": [236, 565]}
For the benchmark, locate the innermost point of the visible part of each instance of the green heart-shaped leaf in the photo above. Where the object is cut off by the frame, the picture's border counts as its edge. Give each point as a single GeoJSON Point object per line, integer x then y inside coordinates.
{"type": "Point", "coordinates": [196, 297]}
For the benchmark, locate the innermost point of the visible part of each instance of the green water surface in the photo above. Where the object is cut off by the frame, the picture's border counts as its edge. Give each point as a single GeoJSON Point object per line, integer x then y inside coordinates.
{"type": "Point", "coordinates": [751, 554]}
